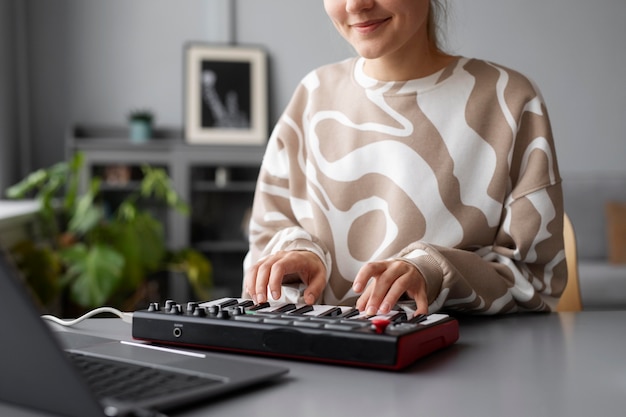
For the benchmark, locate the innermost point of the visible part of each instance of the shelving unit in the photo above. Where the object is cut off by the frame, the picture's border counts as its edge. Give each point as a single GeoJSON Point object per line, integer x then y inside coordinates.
{"type": "Point", "coordinates": [217, 181]}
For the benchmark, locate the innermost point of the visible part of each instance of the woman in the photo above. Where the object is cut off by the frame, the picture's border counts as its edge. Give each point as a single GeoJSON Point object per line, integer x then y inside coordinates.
{"type": "Point", "coordinates": [409, 176]}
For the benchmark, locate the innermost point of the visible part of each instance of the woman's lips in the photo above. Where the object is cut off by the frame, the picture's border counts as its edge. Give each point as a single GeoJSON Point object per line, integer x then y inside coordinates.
{"type": "Point", "coordinates": [369, 26]}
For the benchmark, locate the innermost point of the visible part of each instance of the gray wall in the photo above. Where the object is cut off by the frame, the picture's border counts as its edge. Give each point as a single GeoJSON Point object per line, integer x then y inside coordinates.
{"type": "Point", "coordinates": [298, 36]}
{"type": "Point", "coordinates": [91, 61]}
{"type": "Point", "coordinates": [576, 52]}
{"type": "Point", "coordinates": [9, 127]}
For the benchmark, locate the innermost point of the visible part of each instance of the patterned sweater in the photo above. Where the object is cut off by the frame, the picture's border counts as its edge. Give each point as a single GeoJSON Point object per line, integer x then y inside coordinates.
{"type": "Point", "coordinates": [455, 172]}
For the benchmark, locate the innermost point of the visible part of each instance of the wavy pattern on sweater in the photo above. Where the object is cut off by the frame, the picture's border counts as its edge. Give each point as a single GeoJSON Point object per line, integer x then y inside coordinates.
{"type": "Point", "coordinates": [455, 173]}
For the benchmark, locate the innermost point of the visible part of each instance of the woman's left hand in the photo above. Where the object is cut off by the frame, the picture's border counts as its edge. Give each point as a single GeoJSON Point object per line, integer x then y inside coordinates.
{"type": "Point", "coordinates": [390, 280]}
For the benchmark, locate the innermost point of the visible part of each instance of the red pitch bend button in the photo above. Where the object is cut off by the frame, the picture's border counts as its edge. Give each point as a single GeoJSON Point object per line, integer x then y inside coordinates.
{"type": "Point", "coordinates": [379, 325]}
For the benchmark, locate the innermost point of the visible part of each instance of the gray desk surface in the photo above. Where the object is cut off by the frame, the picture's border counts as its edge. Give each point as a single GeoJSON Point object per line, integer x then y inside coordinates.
{"type": "Point", "coordinates": [568, 364]}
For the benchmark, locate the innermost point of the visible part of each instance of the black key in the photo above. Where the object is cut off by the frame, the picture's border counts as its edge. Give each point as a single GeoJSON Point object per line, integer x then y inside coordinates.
{"type": "Point", "coordinates": [399, 316]}
{"type": "Point", "coordinates": [285, 308]}
{"type": "Point", "coordinates": [418, 318]}
{"type": "Point", "coordinates": [228, 303]}
{"type": "Point", "coordinates": [333, 312]}
{"type": "Point", "coordinates": [304, 309]}
{"type": "Point", "coordinates": [246, 303]}
{"type": "Point", "coordinates": [257, 307]}
{"type": "Point", "coordinates": [350, 313]}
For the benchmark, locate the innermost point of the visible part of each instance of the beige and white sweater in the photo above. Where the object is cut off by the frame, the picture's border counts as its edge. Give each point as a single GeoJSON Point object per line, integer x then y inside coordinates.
{"type": "Point", "coordinates": [455, 172]}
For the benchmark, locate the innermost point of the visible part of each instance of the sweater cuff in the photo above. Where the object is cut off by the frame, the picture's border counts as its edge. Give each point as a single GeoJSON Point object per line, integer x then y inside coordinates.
{"type": "Point", "coordinates": [430, 269]}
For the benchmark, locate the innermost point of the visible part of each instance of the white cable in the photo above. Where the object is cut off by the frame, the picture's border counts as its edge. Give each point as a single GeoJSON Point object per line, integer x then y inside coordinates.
{"type": "Point", "coordinates": [126, 317]}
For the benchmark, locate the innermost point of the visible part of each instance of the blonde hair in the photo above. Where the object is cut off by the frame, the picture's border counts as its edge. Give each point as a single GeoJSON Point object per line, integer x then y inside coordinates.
{"type": "Point", "coordinates": [437, 14]}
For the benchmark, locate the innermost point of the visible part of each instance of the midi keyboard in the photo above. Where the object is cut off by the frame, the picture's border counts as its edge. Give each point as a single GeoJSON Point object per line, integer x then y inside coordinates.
{"type": "Point", "coordinates": [322, 333]}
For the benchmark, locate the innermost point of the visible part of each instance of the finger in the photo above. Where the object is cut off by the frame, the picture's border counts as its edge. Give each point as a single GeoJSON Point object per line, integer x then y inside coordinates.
{"type": "Point", "coordinates": [381, 287]}
{"type": "Point", "coordinates": [419, 295]}
{"type": "Point", "coordinates": [315, 287]}
{"type": "Point", "coordinates": [275, 280]}
{"type": "Point", "coordinates": [261, 281]}
{"type": "Point", "coordinates": [421, 300]}
{"type": "Point", "coordinates": [394, 293]}
{"type": "Point", "coordinates": [363, 300]}
{"type": "Point", "coordinates": [366, 272]}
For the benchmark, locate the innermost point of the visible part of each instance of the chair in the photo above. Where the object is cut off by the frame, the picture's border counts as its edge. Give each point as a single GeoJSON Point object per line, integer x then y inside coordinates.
{"type": "Point", "coordinates": [570, 300]}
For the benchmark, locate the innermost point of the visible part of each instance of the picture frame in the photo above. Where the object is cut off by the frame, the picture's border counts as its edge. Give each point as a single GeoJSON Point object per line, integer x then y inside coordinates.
{"type": "Point", "coordinates": [225, 95]}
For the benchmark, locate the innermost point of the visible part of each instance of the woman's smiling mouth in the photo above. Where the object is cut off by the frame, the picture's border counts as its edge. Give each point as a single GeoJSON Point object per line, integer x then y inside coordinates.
{"type": "Point", "coordinates": [369, 26]}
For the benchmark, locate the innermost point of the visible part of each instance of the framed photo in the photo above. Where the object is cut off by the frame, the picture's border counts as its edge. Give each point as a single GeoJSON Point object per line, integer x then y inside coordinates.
{"type": "Point", "coordinates": [225, 95]}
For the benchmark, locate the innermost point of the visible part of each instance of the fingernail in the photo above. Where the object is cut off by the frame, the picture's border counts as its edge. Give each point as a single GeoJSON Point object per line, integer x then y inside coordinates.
{"type": "Point", "coordinates": [384, 307]}
{"type": "Point", "coordinates": [260, 298]}
{"type": "Point", "coordinates": [357, 287]}
{"type": "Point", "coordinates": [371, 311]}
{"type": "Point", "coordinates": [275, 295]}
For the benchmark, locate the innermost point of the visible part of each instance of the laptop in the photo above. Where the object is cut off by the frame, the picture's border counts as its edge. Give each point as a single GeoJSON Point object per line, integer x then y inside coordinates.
{"type": "Point", "coordinates": [37, 369]}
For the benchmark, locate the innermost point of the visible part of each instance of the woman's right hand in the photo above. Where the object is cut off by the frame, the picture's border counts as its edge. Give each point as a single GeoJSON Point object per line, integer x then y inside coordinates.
{"type": "Point", "coordinates": [286, 267]}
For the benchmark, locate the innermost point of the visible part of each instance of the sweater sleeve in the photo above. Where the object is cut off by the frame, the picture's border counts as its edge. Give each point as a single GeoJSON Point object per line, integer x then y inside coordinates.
{"type": "Point", "coordinates": [524, 268]}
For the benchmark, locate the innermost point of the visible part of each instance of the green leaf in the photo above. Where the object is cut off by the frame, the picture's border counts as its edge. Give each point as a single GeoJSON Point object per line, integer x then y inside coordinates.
{"type": "Point", "coordinates": [28, 184]}
{"type": "Point", "coordinates": [93, 273]}
{"type": "Point", "coordinates": [87, 214]}
{"type": "Point", "coordinates": [143, 245]}
{"type": "Point", "coordinates": [127, 210]}
{"type": "Point", "coordinates": [156, 183]}
{"type": "Point", "coordinates": [71, 192]}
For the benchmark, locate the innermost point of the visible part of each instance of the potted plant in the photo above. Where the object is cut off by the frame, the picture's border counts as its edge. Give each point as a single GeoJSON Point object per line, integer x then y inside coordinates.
{"type": "Point", "coordinates": [93, 257]}
{"type": "Point", "coordinates": [140, 125]}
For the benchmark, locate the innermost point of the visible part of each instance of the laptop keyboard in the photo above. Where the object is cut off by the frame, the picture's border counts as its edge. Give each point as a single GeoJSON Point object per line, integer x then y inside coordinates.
{"type": "Point", "coordinates": [128, 382]}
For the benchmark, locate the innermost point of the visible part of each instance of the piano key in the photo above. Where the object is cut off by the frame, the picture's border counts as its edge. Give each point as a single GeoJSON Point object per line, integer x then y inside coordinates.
{"type": "Point", "coordinates": [417, 319]}
{"type": "Point", "coordinates": [350, 313]}
{"type": "Point", "coordinates": [218, 302]}
{"type": "Point", "coordinates": [258, 307]}
{"type": "Point", "coordinates": [245, 303]}
{"type": "Point", "coordinates": [228, 303]}
{"type": "Point", "coordinates": [285, 308]}
{"type": "Point", "coordinates": [378, 316]}
{"type": "Point", "coordinates": [398, 316]}
{"type": "Point", "coordinates": [302, 309]}
{"type": "Point", "coordinates": [270, 308]}
{"type": "Point", "coordinates": [333, 312]}
{"type": "Point", "coordinates": [320, 309]}
{"type": "Point", "coordinates": [433, 318]}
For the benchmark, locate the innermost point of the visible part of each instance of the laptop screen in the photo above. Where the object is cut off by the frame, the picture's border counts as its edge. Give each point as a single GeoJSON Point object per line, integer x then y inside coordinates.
{"type": "Point", "coordinates": [35, 370]}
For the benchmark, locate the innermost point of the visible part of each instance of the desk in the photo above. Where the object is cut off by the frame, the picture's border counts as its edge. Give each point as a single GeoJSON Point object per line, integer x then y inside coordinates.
{"type": "Point", "coordinates": [567, 364]}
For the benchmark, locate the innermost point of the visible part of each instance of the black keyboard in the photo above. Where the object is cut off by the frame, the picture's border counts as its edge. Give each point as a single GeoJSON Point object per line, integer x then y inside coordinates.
{"type": "Point", "coordinates": [332, 334]}
{"type": "Point", "coordinates": [125, 382]}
